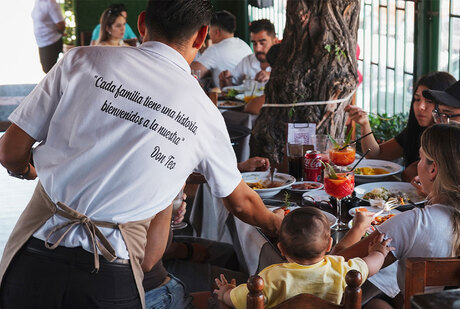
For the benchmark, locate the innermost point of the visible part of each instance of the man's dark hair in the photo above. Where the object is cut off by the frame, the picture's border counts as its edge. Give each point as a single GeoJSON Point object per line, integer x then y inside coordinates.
{"type": "Point", "coordinates": [224, 20]}
{"type": "Point", "coordinates": [305, 233]}
{"type": "Point", "coordinates": [262, 24]}
{"type": "Point", "coordinates": [118, 7]}
{"type": "Point", "coordinates": [177, 20]}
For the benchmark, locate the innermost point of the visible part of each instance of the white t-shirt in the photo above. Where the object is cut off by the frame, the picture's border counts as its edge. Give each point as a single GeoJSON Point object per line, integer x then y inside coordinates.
{"type": "Point", "coordinates": [247, 69]}
{"type": "Point", "coordinates": [120, 130]}
{"type": "Point", "coordinates": [224, 55]}
{"type": "Point", "coordinates": [45, 15]}
{"type": "Point", "coordinates": [423, 232]}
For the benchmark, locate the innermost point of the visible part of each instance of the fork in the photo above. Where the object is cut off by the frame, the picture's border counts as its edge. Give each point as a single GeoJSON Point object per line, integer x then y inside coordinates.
{"type": "Point", "coordinates": [388, 206]}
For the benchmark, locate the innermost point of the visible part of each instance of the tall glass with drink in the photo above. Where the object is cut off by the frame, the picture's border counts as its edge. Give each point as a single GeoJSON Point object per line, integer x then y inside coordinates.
{"type": "Point", "coordinates": [295, 153]}
{"type": "Point", "coordinates": [339, 182]}
{"type": "Point", "coordinates": [342, 154]}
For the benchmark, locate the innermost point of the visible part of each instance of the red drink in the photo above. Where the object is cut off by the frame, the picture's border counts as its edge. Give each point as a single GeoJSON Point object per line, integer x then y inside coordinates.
{"type": "Point", "coordinates": [340, 187]}
{"type": "Point", "coordinates": [342, 157]}
{"type": "Point", "coordinates": [312, 167]}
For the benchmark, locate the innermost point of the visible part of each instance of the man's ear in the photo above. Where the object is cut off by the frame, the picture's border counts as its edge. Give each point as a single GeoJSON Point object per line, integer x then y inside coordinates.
{"type": "Point", "coordinates": [141, 24]}
{"type": "Point", "coordinates": [201, 37]}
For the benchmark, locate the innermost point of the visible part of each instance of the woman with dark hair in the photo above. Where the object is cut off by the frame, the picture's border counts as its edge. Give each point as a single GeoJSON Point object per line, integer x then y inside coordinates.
{"type": "Point", "coordinates": [112, 28]}
{"type": "Point", "coordinates": [406, 143]}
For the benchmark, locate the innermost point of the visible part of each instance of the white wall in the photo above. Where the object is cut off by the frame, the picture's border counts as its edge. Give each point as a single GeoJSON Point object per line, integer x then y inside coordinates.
{"type": "Point", "coordinates": [19, 60]}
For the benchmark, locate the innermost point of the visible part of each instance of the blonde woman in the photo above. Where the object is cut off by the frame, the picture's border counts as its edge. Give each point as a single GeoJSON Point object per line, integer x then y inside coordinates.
{"type": "Point", "coordinates": [112, 28]}
{"type": "Point", "coordinates": [433, 231]}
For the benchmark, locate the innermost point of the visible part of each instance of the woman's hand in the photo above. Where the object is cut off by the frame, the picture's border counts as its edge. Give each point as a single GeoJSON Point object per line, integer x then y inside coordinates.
{"type": "Point", "coordinates": [179, 217]}
{"type": "Point", "coordinates": [357, 115]}
{"type": "Point", "coordinates": [415, 182]}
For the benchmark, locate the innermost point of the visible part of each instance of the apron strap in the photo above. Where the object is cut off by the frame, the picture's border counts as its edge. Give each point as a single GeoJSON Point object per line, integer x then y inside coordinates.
{"type": "Point", "coordinates": [98, 240]}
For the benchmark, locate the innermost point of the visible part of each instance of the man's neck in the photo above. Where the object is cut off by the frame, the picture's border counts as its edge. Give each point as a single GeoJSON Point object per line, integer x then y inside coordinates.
{"type": "Point", "coordinates": [223, 36]}
{"type": "Point", "coordinates": [188, 53]}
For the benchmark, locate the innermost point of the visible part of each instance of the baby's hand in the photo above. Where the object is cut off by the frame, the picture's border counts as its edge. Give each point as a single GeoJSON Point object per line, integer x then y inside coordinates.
{"type": "Point", "coordinates": [380, 245]}
{"type": "Point", "coordinates": [223, 286]}
{"type": "Point", "coordinates": [362, 220]}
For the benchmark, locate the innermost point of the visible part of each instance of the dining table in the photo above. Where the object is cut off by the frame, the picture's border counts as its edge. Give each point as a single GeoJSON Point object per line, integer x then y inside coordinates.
{"type": "Point", "coordinates": [443, 299]}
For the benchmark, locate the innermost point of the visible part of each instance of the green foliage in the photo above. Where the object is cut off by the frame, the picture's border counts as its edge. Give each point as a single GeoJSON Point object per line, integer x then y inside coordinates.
{"type": "Point", "coordinates": [338, 52]}
{"type": "Point", "coordinates": [386, 127]}
{"type": "Point", "coordinates": [69, 17]}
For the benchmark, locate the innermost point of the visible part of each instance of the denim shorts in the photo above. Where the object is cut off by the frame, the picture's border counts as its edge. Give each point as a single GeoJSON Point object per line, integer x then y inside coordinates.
{"type": "Point", "coordinates": [169, 296]}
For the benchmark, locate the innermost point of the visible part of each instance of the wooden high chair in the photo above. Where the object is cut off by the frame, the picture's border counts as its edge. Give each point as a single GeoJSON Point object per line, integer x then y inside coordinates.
{"type": "Point", "coordinates": [352, 297]}
{"type": "Point", "coordinates": [423, 272]}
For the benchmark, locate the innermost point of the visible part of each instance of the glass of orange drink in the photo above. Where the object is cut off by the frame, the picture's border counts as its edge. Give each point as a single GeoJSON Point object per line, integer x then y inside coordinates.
{"type": "Point", "coordinates": [342, 157]}
{"type": "Point", "coordinates": [339, 182]}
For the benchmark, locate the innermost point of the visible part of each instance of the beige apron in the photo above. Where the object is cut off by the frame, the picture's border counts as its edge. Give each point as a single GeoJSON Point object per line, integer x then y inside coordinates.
{"type": "Point", "coordinates": [41, 208]}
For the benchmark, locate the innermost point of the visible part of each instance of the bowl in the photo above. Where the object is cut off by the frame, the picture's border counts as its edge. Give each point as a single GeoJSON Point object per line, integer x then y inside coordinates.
{"type": "Point", "coordinates": [282, 181]}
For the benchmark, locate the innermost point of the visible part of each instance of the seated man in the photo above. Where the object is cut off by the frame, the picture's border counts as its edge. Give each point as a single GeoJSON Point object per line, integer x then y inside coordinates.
{"type": "Point", "coordinates": [130, 37]}
{"type": "Point", "coordinates": [225, 52]}
{"type": "Point", "coordinates": [447, 103]}
{"type": "Point", "coordinates": [254, 66]}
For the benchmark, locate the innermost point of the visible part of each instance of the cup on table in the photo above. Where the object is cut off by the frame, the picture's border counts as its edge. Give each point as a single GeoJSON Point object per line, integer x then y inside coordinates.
{"type": "Point", "coordinates": [296, 154]}
{"type": "Point", "coordinates": [321, 144]}
{"type": "Point", "coordinates": [250, 89]}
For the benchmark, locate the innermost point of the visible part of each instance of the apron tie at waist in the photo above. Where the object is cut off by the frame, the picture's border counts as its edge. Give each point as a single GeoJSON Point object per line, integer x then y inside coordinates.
{"type": "Point", "coordinates": [98, 240]}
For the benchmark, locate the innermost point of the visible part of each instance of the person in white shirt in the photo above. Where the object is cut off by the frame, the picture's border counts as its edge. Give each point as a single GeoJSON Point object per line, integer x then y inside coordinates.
{"type": "Point", "coordinates": [117, 141]}
{"type": "Point", "coordinates": [254, 66]}
{"type": "Point", "coordinates": [433, 231]}
{"type": "Point", "coordinates": [49, 27]}
{"type": "Point", "coordinates": [225, 52]}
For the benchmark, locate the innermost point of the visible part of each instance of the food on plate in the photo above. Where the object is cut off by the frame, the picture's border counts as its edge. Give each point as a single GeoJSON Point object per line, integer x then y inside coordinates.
{"type": "Point", "coordinates": [361, 209]}
{"type": "Point", "coordinates": [232, 93]}
{"type": "Point", "coordinates": [229, 103]}
{"type": "Point", "coordinates": [368, 171]}
{"type": "Point", "coordinates": [286, 210]}
{"type": "Point", "coordinates": [385, 195]}
{"type": "Point", "coordinates": [264, 185]}
{"type": "Point", "coordinates": [305, 186]}
{"type": "Point", "coordinates": [380, 219]}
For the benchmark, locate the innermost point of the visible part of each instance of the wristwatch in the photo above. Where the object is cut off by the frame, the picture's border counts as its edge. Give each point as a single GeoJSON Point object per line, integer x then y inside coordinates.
{"type": "Point", "coordinates": [20, 176]}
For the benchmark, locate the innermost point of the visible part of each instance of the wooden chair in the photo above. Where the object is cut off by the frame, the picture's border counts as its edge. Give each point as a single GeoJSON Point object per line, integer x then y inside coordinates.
{"type": "Point", "coordinates": [85, 38]}
{"type": "Point", "coordinates": [423, 272]}
{"type": "Point", "coordinates": [352, 297]}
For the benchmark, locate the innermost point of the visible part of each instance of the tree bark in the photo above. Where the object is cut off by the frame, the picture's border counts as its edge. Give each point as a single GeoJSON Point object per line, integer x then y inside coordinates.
{"type": "Point", "coordinates": [316, 62]}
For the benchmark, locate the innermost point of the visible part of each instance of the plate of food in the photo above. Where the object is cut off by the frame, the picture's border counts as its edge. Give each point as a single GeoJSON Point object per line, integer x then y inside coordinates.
{"type": "Point", "coordinates": [261, 183]}
{"type": "Point", "coordinates": [287, 209]}
{"type": "Point", "coordinates": [305, 186]}
{"type": "Point", "coordinates": [377, 193]}
{"type": "Point", "coordinates": [229, 104]}
{"type": "Point", "coordinates": [373, 209]}
{"type": "Point", "coordinates": [375, 169]}
{"type": "Point", "coordinates": [237, 88]}
{"type": "Point", "coordinates": [315, 196]}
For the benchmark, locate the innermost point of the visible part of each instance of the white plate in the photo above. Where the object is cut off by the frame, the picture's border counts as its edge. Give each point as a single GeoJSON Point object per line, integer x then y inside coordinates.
{"type": "Point", "coordinates": [352, 211]}
{"type": "Point", "coordinates": [263, 177]}
{"type": "Point", "coordinates": [234, 104]}
{"type": "Point", "coordinates": [330, 217]}
{"type": "Point", "coordinates": [391, 167]}
{"type": "Point", "coordinates": [317, 195]}
{"type": "Point", "coordinates": [320, 186]}
{"type": "Point", "coordinates": [240, 97]}
{"type": "Point", "coordinates": [239, 88]}
{"type": "Point", "coordinates": [392, 186]}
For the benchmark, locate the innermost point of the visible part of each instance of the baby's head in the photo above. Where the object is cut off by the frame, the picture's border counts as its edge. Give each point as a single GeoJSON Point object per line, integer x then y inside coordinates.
{"type": "Point", "coordinates": [305, 235]}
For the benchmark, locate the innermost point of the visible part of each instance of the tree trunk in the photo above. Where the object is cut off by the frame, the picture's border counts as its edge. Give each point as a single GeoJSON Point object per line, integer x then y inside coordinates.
{"type": "Point", "coordinates": [316, 62]}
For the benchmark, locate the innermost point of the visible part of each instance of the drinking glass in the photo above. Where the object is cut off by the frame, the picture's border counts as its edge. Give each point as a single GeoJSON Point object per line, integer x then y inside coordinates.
{"type": "Point", "coordinates": [177, 202]}
{"type": "Point", "coordinates": [296, 154]}
{"type": "Point", "coordinates": [250, 89]}
{"type": "Point", "coordinates": [344, 156]}
{"type": "Point", "coordinates": [339, 187]}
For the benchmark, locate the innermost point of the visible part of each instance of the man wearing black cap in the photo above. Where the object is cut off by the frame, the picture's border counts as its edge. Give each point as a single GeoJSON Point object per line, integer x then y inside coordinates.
{"type": "Point", "coordinates": [447, 103]}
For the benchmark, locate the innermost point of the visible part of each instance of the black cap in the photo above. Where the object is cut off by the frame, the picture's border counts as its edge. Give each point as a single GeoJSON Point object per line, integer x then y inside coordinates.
{"type": "Point", "coordinates": [450, 97]}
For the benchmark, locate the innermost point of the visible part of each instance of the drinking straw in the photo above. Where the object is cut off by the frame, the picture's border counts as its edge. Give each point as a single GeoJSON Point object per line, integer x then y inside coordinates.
{"type": "Point", "coordinates": [360, 160]}
{"type": "Point", "coordinates": [352, 142]}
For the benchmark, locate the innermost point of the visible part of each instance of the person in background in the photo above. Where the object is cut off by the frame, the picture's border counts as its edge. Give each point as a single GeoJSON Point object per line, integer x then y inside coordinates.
{"type": "Point", "coordinates": [129, 36]}
{"type": "Point", "coordinates": [447, 103]}
{"type": "Point", "coordinates": [254, 66]}
{"type": "Point", "coordinates": [254, 105]}
{"type": "Point", "coordinates": [432, 231]}
{"type": "Point", "coordinates": [226, 50]}
{"type": "Point", "coordinates": [304, 240]}
{"type": "Point", "coordinates": [49, 26]}
{"type": "Point", "coordinates": [111, 157]}
{"type": "Point", "coordinates": [112, 28]}
{"type": "Point", "coordinates": [406, 143]}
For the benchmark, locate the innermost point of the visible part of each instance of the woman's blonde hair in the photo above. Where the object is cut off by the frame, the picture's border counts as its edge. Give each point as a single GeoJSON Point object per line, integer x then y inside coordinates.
{"type": "Point", "coordinates": [441, 144]}
{"type": "Point", "coordinates": [108, 18]}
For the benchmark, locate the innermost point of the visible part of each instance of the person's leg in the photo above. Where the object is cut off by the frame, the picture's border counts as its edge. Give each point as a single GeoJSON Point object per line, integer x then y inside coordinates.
{"type": "Point", "coordinates": [49, 55]}
{"type": "Point", "coordinates": [172, 295]}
